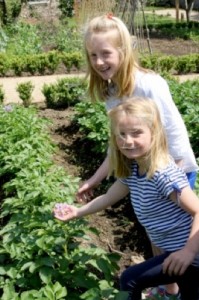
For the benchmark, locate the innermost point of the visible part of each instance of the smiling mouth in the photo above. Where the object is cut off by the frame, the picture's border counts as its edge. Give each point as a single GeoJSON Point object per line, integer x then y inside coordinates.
{"type": "Point", "coordinates": [126, 148]}
{"type": "Point", "coordinates": [104, 70]}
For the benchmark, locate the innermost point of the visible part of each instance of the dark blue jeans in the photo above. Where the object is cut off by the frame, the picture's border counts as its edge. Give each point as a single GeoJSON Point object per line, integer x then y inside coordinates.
{"type": "Point", "coordinates": [191, 176]}
{"type": "Point", "coordinates": [149, 274]}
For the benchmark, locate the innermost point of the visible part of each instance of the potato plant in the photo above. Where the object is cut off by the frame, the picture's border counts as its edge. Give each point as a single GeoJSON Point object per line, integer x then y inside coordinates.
{"type": "Point", "coordinates": [41, 257]}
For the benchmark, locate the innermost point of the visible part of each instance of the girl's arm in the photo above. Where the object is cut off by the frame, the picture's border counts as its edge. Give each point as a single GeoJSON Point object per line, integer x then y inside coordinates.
{"type": "Point", "coordinates": [115, 193]}
{"type": "Point", "coordinates": [85, 191]}
{"type": "Point", "coordinates": [178, 261]}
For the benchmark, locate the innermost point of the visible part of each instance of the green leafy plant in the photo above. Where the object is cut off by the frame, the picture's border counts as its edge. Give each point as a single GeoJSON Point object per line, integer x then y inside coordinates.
{"type": "Point", "coordinates": [186, 97]}
{"type": "Point", "coordinates": [24, 39]}
{"type": "Point", "coordinates": [93, 122]}
{"type": "Point", "coordinates": [2, 94]}
{"type": "Point", "coordinates": [41, 257]}
{"type": "Point", "coordinates": [66, 7]}
{"type": "Point", "coordinates": [25, 90]}
{"type": "Point", "coordinates": [66, 92]}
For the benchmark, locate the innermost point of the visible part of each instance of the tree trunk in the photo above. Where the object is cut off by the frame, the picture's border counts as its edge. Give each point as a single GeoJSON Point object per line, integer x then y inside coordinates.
{"type": "Point", "coordinates": [188, 8]}
{"type": "Point", "coordinates": [3, 11]}
{"type": "Point", "coordinates": [177, 5]}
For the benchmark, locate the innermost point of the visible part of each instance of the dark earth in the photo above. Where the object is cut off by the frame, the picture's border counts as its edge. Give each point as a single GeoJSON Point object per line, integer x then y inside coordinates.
{"type": "Point", "coordinates": [118, 228]}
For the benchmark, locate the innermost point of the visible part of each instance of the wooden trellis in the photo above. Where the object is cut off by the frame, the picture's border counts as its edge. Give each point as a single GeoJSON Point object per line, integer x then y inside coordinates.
{"type": "Point", "coordinates": [133, 15]}
{"type": "Point", "coordinates": [130, 11]}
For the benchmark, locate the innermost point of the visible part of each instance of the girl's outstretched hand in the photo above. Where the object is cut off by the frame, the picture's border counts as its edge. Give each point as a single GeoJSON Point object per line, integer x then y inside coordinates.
{"type": "Point", "coordinates": [64, 212]}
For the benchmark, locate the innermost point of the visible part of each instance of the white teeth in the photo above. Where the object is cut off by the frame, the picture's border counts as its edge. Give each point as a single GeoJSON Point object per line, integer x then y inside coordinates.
{"type": "Point", "coordinates": [104, 70]}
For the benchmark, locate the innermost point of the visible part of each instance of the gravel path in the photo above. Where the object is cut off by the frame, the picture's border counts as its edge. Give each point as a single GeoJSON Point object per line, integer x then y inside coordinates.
{"type": "Point", "coordinates": [171, 12]}
{"type": "Point", "coordinates": [10, 84]}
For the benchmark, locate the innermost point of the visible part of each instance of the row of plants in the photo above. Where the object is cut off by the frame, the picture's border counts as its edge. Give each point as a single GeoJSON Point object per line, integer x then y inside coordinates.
{"type": "Point", "coordinates": [167, 26]}
{"type": "Point", "coordinates": [39, 64]}
{"type": "Point", "coordinates": [174, 25]}
{"type": "Point", "coordinates": [41, 257]}
{"type": "Point", "coordinates": [49, 63]}
{"type": "Point", "coordinates": [64, 93]}
{"type": "Point", "coordinates": [92, 118]}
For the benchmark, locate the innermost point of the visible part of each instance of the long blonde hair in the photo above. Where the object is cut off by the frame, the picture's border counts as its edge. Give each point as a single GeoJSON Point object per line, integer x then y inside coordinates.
{"type": "Point", "coordinates": [146, 110]}
{"type": "Point", "coordinates": [122, 41]}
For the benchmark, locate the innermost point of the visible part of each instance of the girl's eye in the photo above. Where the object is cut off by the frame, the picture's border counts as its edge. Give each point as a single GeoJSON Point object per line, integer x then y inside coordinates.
{"type": "Point", "coordinates": [106, 53]}
{"type": "Point", "coordinates": [122, 134]}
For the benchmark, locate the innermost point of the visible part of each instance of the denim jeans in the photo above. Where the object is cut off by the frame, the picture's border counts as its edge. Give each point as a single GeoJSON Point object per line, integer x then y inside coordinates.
{"type": "Point", "coordinates": [149, 274]}
{"type": "Point", "coordinates": [191, 176]}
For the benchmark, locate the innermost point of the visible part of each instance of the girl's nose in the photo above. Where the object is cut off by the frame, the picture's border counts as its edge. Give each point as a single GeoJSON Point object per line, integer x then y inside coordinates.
{"type": "Point", "coordinates": [129, 139]}
{"type": "Point", "coordinates": [99, 61]}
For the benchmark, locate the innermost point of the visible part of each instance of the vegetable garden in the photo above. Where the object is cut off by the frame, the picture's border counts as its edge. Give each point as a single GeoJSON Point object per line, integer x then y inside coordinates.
{"type": "Point", "coordinates": [42, 258]}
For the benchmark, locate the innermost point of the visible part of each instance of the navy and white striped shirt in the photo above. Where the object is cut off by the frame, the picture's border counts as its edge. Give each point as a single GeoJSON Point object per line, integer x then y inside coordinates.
{"type": "Point", "coordinates": [166, 223]}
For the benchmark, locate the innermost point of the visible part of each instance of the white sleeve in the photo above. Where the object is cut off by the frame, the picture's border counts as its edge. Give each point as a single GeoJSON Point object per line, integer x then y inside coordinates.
{"type": "Point", "coordinates": [155, 87]}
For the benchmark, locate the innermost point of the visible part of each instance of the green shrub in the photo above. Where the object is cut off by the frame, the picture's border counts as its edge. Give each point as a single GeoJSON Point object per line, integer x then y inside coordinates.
{"type": "Point", "coordinates": [2, 95]}
{"type": "Point", "coordinates": [4, 64]}
{"type": "Point", "coordinates": [25, 90]}
{"type": "Point", "coordinates": [66, 92]}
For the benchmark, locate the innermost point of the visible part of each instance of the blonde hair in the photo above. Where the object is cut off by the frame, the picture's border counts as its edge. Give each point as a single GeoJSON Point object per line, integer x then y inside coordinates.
{"type": "Point", "coordinates": [146, 110]}
{"type": "Point", "coordinates": [122, 40]}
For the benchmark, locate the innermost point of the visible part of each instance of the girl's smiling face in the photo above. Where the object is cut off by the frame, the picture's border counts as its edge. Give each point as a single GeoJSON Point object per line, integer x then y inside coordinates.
{"type": "Point", "coordinates": [133, 137]}
{"type": "Point", "coordinates": [103, 56]}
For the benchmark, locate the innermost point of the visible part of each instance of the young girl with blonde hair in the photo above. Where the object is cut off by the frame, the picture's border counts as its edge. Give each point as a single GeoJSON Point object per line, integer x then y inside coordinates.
{"type": "Point", "coordinates": [160, 195]}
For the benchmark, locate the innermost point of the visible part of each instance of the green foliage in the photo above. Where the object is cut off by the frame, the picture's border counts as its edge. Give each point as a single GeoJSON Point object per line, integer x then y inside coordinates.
{"type": "Point", "coordinates": [4, 64]}
{"type": "Point", "coordinates": [66, 92]}
{"type": "Point", "coordinates": [175, 64]}
{"type": "Point", "coordinates": [3, 40]}
{"type": "Point", "coordinates": [41, 257]}
{"type": "Point", "coordinates": [12, 10]}
{"type": "Point", "coordinates": [93, 122]}
{"type": "Point", "coordinates": [25, 90]}
{"type": "Point", "coordinates": [72, 59]}
{"type": "Point", "coordinates": [67, 8]}
{"type": "Point", "coordinates": [68, 39]}
{"type": "Point", "coordinates": [43, 63]}
{"type": "Point", "coordinates": [188, 64]}
{"type": "Point", "coordinates": [165, 25]}
{"type": "Point", "coordinates": [2, 94]}
{"type": "Point", "coordinates": [24, 39]}
{"type": "Point", "coordinates": [186, 97]}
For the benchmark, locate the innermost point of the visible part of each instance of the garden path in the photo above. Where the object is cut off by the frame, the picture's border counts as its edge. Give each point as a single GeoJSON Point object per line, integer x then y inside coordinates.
{"type": "Point", "coordinates": [10, 84]}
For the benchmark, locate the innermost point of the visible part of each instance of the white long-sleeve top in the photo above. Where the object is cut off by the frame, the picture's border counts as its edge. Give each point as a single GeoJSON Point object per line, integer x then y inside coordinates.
{"type": "Point", "coordinates": [152, 85]}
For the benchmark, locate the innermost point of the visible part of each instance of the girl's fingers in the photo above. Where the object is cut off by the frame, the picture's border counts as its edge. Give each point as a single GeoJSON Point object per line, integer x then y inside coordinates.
{"type": "Point", "coordinates": [63, 211]}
